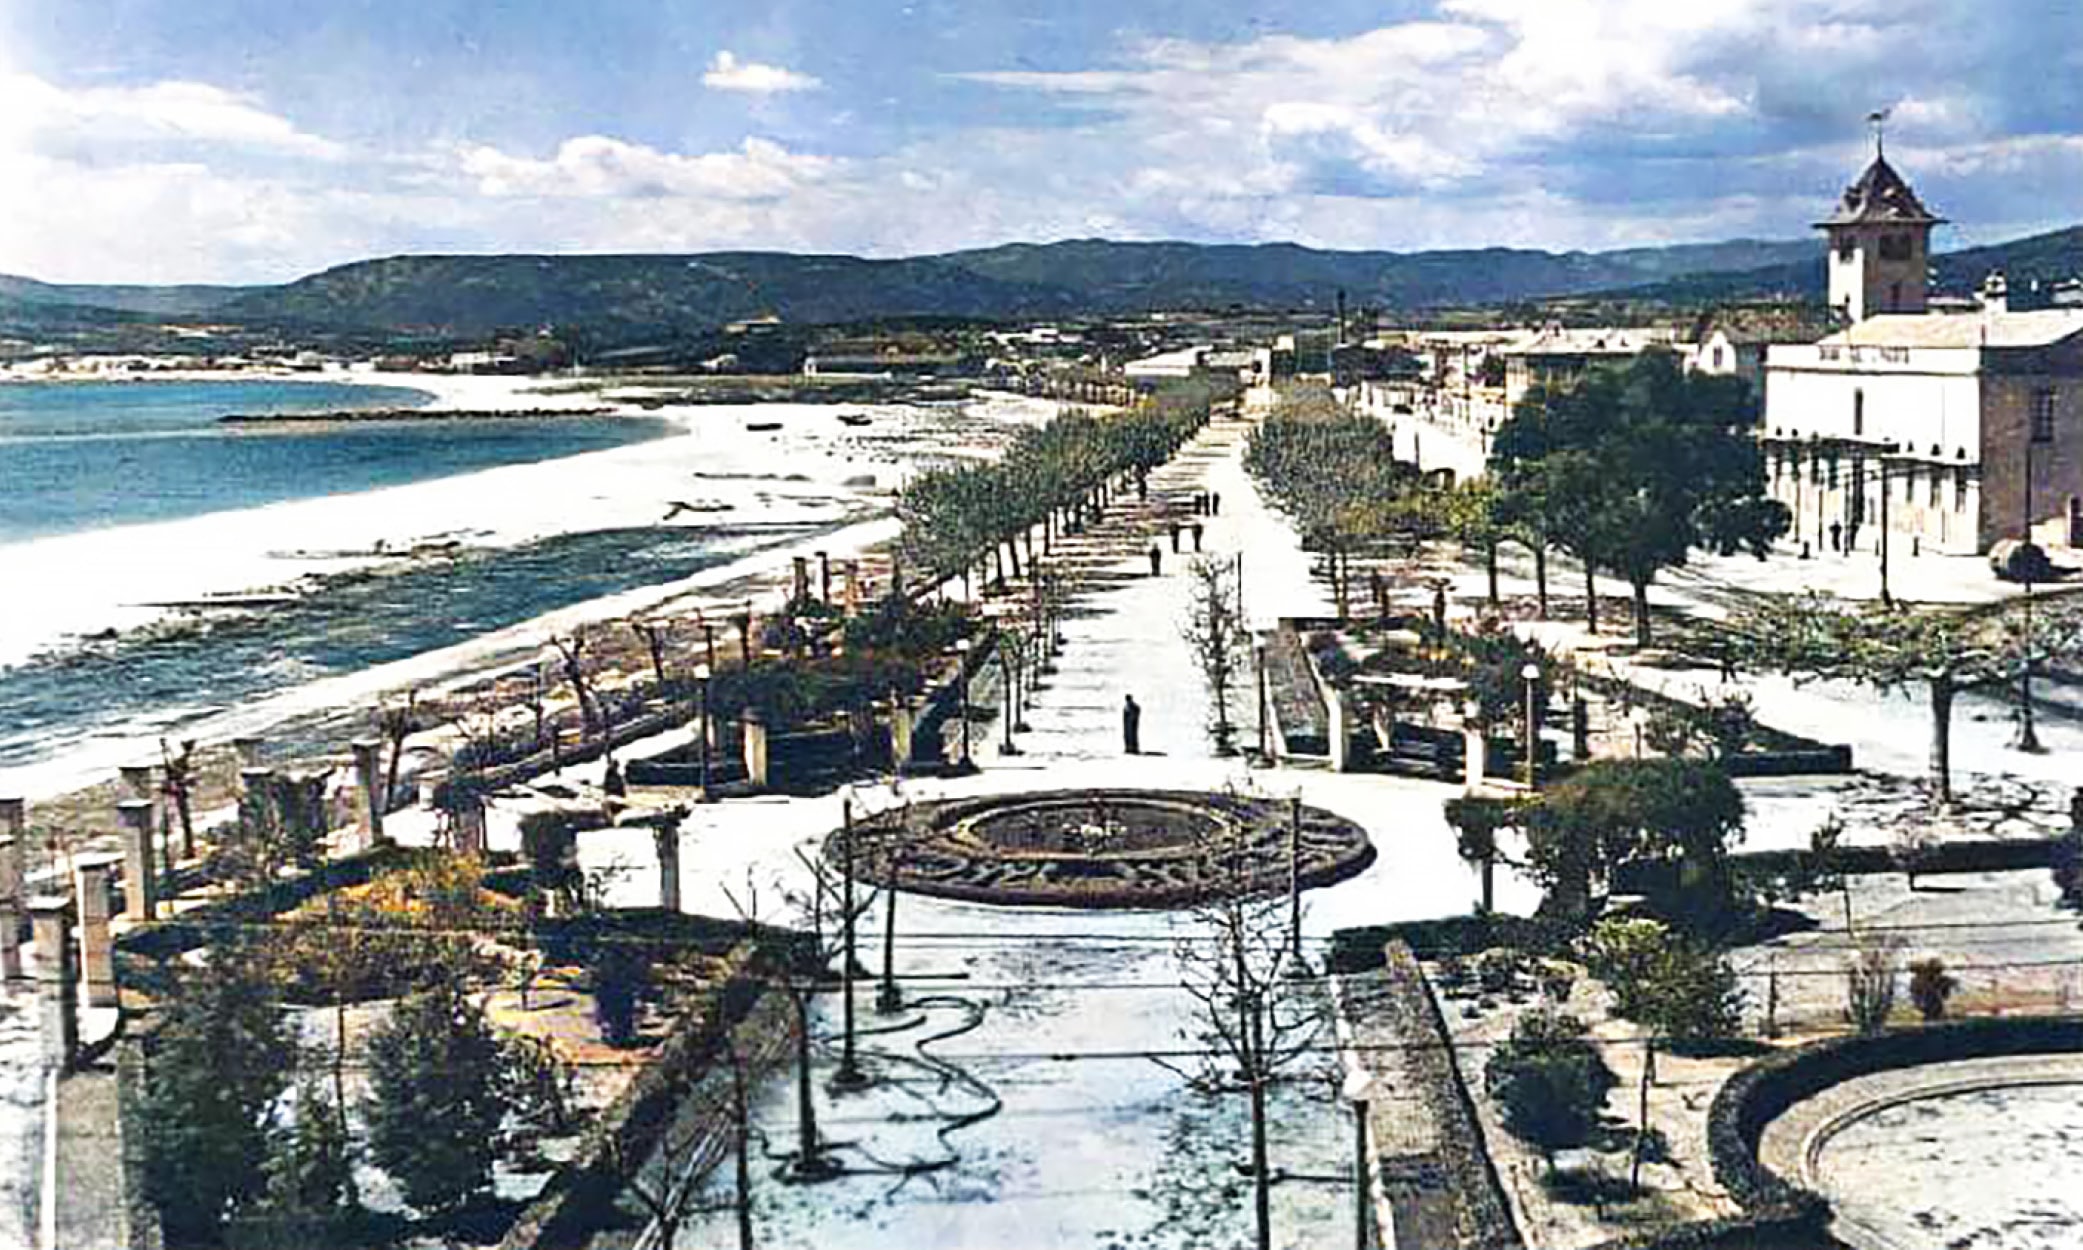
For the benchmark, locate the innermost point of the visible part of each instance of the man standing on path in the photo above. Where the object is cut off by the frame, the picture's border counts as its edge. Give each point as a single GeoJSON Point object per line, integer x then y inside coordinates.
{"type": "Point", "coordinates": [1196, 536]}
{"type": "Point", "coordinates": [1131, 725]}
{"type": "Point", "coordinates": [1156, 560]}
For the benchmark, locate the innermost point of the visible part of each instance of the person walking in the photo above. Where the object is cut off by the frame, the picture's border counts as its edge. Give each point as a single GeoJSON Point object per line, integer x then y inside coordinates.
{"type": "Point", "coordinates": [1131, 725]}
{"type": "Point", "coordinates": [1157, 559]}
{"type": "Point", "coordinates": [1196, 536]}
{"type": "Point", "coordinates": [1836, 537]}
{"type": "Point", "coordinates": [1175, 538]}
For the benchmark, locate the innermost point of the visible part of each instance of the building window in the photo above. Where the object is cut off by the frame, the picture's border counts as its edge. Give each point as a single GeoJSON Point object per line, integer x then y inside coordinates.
{"type": "Point", "coordinates": [1937, 472]}
{"type": "Point", "coordinates": [1896, 247]}
{"type": "Point", "coordinates": [1960, 490]}
{"type": "Point", "coordinates": [1833, 473]}
{"type": "Point", "coordinates": [1858, 414]}
{"type": "Point", "coordinates": [1846, 251]}
{"type": "Point", "coordinates": [1815, 470]}
{"type": "Point", "coordinates": [1720, 355]}
{"type": "Point", "coordinates": [2043, 416]}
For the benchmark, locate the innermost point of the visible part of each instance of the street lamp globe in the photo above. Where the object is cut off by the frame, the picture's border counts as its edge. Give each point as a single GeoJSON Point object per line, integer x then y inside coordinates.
{"type": "Point", "coordinates": [1359, 1085]}
{"type": "Point", "coordinates": [701, 671]}
{"type": "Point", "coordinates": [1532, 671]}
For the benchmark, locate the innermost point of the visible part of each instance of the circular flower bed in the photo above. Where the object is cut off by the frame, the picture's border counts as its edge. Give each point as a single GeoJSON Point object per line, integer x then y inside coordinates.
{"type": "Point", "coordinates": [1104, 848]}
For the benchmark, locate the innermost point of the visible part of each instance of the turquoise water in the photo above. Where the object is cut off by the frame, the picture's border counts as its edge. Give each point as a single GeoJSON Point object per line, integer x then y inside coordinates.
{"type": "Point", "coordinates": [86, 455]}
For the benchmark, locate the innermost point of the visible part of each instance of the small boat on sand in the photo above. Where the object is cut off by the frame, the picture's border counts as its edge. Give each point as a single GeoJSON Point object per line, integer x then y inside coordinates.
{"type": "Point", "coordinates": [762, 427]}
{"type": "Point", "coordinates": [854, 418]}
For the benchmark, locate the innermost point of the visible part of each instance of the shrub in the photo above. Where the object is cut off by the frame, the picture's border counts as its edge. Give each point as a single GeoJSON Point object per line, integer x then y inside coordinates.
{"type": "Point", "coordinates": [1930, 985]}
{"type": "Point", "coordinates": [435, 1102]}
{"type": "Point", "coordinates": [1869, 985]}
{"type": "Point", "coordinates": [1549, 1081]}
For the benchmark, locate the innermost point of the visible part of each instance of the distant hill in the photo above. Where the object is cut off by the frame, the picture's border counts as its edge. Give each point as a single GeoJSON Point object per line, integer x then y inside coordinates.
{"type": "Point", "coordinates": [2047, 257]}
{"type": "Point", "coordinates": [635, 295]}
{"type": "Point", "coordinates": [642, 298]}
{"type": "Point", "coordinates": [153, 301]}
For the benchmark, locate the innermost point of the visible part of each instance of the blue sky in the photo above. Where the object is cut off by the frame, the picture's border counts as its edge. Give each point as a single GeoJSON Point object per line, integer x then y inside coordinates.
{"type": "Point", "coordinates": [253, 140]}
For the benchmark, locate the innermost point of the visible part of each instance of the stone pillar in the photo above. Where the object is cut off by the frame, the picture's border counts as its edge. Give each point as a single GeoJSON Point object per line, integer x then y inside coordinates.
{"type": "Point", "coordinates": [368, 784]}
{"type": "Point", "coordinates": [824, 577]}
{"type": "Point", "coordinates": [1476, 762]}
{"type": "Point", "coordinates": [1340, 730]}
{"type": "Point", "coordinates": [667, 840]}
{"type": "Point", "coordinates": [52, 915]}
{"type": "Point", "coordinates": [802, 579]}
{"type": "Point", "coordinates": [755, 750]}
{"type": "Point", "coordinates": [256, 781]}
{"type": "Point", "coordinates": [140, 875]}
{"type": "Point", "coordinates": [97, 945]}
{"type": "Point", "coordinates": [467, 821]}
{"type": "Point", "coordinates": [900, 734]}
{"type": "Point", "coordinates": [853, 587]}
{"type": "Point", "coordinates": [11, 889]}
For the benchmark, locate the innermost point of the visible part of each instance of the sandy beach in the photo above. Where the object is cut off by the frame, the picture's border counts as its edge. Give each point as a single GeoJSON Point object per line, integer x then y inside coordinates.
{"type": "Point", "coordinates": [813, 483]}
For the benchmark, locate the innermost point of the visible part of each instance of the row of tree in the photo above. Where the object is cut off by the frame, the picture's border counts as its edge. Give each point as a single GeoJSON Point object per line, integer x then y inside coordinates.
{"type": "Point", "coordinates": [1334, 475]}
{"type": "Point", "coordinates": [958, 517]}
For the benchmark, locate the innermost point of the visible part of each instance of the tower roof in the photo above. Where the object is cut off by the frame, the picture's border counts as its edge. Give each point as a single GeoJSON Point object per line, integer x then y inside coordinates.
{"type": "Point", "coordinates": [1880, 196]}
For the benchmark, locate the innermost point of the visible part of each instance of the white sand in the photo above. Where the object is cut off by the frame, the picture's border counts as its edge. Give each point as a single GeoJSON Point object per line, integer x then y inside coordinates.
{"type": "Point", "coordinates": [73, 585]}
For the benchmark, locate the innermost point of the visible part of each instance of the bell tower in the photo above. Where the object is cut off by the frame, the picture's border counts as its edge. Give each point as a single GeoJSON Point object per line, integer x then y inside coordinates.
{"type": "Point", "coordinates": [1880, 244]}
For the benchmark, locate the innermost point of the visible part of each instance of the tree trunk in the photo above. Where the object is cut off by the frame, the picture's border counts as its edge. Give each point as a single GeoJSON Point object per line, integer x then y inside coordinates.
{"type": "Point", "coordinates": [1490, 568]}
{"type": "Point", "coordinates": [1540, 576]}
{"type": "Point", "coordinates": [1261, 1180]}
{"type": "Point", "coordinates": [1590, 595]}
{"type": "Point", "coordinates": [806, 1103]}
{"type": "Point", "coordinates": [1641, 612]}
{"type": "Point", "coordinates": [741, 1142]}
{"type": "Point", "coordinates": [1942, 740]}
{"type": "Point", "coordinates": [1489, 884]}
{"type": "Point", "coordinates": [1012, 549]}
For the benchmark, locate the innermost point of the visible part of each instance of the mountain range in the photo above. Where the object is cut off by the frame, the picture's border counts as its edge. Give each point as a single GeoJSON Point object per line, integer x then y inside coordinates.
{"type": "Point", "coordinates": [631, 297]}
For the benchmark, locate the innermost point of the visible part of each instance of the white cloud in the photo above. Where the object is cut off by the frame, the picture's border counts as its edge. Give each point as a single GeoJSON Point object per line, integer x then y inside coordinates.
{"type": "Point", "coordinates": [599, 167]}
{"type": "Point", "coordinates": [727, 73]}
{"type": "Point", "coordinates": [43, 116]}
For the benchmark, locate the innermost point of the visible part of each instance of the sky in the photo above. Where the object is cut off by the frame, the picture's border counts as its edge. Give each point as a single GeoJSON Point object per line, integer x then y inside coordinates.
{"type": "Point", "coordinates": [257, 140]}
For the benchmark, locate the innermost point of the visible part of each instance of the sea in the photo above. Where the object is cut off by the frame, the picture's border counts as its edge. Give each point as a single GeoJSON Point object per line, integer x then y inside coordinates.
{"type": "Point", "coordinates": [119, 499]}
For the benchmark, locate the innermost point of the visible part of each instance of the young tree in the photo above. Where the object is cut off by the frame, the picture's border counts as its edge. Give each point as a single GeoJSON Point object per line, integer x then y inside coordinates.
{"type": "Point", "coordinates": [1214, 632]}
{"type": "Point", "coordinates": [436, 1103]}
{"type": "Point", "coordinates": [1256, 1019]}
{"type": "Point", "coordinates": [178, 770]}
{"type": "Point", "coordinates": [1476, 821]}
{"type": "Point", "coordinates": [1945, 650]}
{"type": "Point", "coordinates": [1869, 982]}
{"type": "Point", "coordinates": [217, 1061]}
{"type": "Point", "coordinates": [1550, 1081]}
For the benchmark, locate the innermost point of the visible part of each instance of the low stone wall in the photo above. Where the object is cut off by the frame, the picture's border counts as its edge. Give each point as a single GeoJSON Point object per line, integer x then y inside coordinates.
{"type": "Point", "coordinates": [1440, 1183]}
{"type": "Point", "coordinates": [582, 1197]}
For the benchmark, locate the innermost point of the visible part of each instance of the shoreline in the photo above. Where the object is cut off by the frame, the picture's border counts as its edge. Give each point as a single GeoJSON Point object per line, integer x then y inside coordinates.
{"type": "Point", "coordinates": [829, 501]}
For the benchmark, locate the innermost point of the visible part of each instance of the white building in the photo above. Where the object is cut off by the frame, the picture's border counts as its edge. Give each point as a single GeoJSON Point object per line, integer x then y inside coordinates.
{"type": "Point", "coordinates": [1941, 431]}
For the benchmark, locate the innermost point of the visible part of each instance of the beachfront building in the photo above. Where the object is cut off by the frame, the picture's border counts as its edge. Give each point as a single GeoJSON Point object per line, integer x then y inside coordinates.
{"type": "Point", "coordinates": [1937, 431]}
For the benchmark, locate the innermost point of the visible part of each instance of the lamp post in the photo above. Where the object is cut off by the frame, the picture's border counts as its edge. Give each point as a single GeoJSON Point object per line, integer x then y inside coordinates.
{"type": "Point", "coordinates": [2028, 734]}
{"type": "Point", "coordinates": [849, 1075]}
{"type": "Point", "coordinates": [701, 694]}
{"type": "Point", "coordinates": [1531, 675]}
{"type": "Point", "coordinates": [1359, 1088]}
{"type": "Point", "coordinates": [962, 647]}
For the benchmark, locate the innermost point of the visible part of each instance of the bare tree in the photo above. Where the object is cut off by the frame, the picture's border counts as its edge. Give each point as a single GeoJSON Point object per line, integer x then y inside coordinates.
{"type": "Point", "coordinates": [396, 722]}
{"type": "Point", "coordinates": [1255, 1018]}
{"type": "Point", "coordinates": [654, 634]}
{"type": "Point", "coordinates": [572, 653]}
{"type": "Point", "coordinates": [178, 772]}
{"type": "Point", "coordinates": [1214, 631]}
